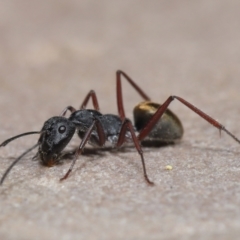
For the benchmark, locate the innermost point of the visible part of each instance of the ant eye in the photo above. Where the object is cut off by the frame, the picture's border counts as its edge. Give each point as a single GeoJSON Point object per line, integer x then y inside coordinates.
{"type": "Point", "coordinates": [61, 129]}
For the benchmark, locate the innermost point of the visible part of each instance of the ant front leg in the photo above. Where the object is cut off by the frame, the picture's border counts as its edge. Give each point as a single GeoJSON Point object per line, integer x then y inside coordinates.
{"type": "Point", "coordinates": [120, 73]}
{"type": "Point", "coordinates": [102, 139]}
{"type": "Point", "coordinates": [92, 95]}
{"type": "Point", "coordinates": [68, 108]}
{"type": "Point", "coordinates": [146, 130]}
{"type": "Point", "coordinates": [127, 126]}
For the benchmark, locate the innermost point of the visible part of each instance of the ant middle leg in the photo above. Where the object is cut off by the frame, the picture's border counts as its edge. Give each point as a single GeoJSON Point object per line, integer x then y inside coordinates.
{"type": "Point", "coordinates": [120, 106]}
{"type": "Point", "coordinates": [127, 126]}
{"type": "Point", "coordinates": [93, 96]}
{"type": "Point", "coordinates": [154, 119]}
{"type": "Point", "coordinates": [119, 73]}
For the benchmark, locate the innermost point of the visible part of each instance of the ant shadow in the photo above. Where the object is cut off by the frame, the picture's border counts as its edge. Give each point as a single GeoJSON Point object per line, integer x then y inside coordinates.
{"type": "Point", "coordinates": [91, 152]}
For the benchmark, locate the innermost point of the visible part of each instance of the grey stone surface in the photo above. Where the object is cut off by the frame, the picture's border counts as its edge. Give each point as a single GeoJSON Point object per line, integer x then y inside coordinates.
{"type": "Point", "coordinates": [53, 52]}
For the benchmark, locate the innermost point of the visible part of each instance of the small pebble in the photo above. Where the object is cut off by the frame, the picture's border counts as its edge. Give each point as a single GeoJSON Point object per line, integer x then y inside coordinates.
{"type": "Point", "coordinates": [168, 167]}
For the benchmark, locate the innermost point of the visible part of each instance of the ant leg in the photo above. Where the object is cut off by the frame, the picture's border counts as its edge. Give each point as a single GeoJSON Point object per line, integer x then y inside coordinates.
{"type": "Point", "coordinates": [102, 139]}
{"type": "Point", "coordinates": [144, 132]}
{"type": "Point", "coordinates": [93, 95]}
{"type": "Point", "coordinates": [70, 108]}
{"type": "Point", "coordinates": [127, 126]}
{"type": "Point", "coordinates": [120, 73]}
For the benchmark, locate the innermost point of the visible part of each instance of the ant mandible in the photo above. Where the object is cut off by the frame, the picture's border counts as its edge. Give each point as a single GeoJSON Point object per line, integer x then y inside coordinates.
{"type": "Point", "coordinates": [153, 123]}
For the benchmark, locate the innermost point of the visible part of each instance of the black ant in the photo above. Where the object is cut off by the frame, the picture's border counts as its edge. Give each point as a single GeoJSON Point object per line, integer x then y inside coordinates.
{"type": "Point", "coordinates": [153, 123]}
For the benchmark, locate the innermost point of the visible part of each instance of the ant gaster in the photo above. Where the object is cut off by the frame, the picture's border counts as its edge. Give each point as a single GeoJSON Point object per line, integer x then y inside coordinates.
{"type": "Point", "coordinates": [153, 123]}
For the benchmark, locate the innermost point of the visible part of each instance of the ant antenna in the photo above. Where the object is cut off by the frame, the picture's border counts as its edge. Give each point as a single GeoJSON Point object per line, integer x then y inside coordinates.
{"type": "Point", "coordinates": [17, 160]}
{"type": "Point", "coordinates": [18, 136]}
{"type": "Point", "coordinates": [22, 155]}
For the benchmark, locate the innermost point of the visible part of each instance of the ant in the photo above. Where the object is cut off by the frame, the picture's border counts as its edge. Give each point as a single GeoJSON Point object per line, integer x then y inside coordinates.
{"type": "Point", "coordinates": [153, 123]}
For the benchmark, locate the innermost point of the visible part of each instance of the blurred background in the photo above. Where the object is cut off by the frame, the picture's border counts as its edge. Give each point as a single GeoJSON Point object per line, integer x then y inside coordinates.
{"type": "Point", "coordinates": [53, 52]}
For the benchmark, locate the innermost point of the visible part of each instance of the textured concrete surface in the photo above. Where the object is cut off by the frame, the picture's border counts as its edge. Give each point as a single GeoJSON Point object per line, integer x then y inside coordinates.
{"type": "Point", "coordinates": [53, 52]}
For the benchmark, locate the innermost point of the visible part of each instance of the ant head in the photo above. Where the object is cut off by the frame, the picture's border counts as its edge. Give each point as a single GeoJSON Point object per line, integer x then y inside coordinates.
{"type": "Point", "coordinates": [56, 134]}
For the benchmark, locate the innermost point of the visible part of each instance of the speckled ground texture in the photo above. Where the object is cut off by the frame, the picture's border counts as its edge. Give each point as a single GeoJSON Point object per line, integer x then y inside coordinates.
{"type": "Point", "coordinates": [53, 52]}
